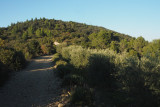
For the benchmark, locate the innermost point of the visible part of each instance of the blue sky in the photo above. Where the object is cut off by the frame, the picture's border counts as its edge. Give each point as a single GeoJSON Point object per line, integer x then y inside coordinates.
{"type": "Point", "coordinates": [132, 17]}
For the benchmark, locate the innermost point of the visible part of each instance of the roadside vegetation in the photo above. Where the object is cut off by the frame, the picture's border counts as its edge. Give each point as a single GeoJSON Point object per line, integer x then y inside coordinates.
{"type": "Point", "coordinates": [103, 77]}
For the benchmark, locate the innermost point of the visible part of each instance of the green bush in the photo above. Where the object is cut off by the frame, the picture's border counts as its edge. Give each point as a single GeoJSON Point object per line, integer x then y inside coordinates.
{"type": "Point", "coordinates": [48, 49]}
{"type": "Point", "coordinates": [28, 55]}
{"type": "Point", "coordinates": [34, 48]}
{"type": "Point", "coordinates": [137, 88]}
{"type": "Point", "coordinates": [61, 62]}
{"type": "Point", "coordinates": [13, 59]}
{"type": "Point", "coordinates": [59, 47]}
{"type": "Point", "coordinates": [132, 80]}
{"type": "Point", "coordinates": [62, 68]}
{"type": "Point", "coordinates": [77, 56]}
{"type": "Point", "coordinates": [19, 61]}
{"type": "Point", "coordinates": [66, 52]}
{"type": "Point", "coordinates": [72, 79]}
{"type": "Point", "coordinates": [148, 65]}
{"type": "Point", "coordinates": [152, 80]}
{"type": "Point", "coordinates": [47, 46]}
{"type": "Point", "coordinates": [101, 71]}
{"type": "Point", "coordinates": [135, 83]}
{"type": "Point", "coordinates": [56, 57]}
{"type": "Point", "coordinates": [82, 96]}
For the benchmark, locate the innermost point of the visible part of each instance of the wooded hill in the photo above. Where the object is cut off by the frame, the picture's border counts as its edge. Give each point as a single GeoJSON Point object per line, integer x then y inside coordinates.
{"type": "Point", "coordinates": [36, 37]}
{"type": "Point", "coordinates": [19, 36]}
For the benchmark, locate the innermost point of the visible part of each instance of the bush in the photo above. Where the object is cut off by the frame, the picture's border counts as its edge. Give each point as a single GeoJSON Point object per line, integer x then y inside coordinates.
{"type": "Point", "coordinates": [59, 47]}
{"type": "Point", "coordinates": [136, 82]}
{"type": "Point", "coordinates": [62, 68]}
{"type": "Point", "coordinates": [101, 71]}
{"type": "Point", "coordinates": [28, 56]}
{"type": "Point", "coordinates": [72, 80]}
{"type": "Point", "coordinates": [66, 52]}
{"type": "Point", "coordinates": [11, 58]}
{"type": "Point", "coordinates": [82, 96]}
{"type": "Point", "coordinates": [77, 56]}
{"type": "Point", "coordinates": [34, 48]}
{"type": "Point", "coordinates": [47, 49]}
{"type": "Point", "coordinates": [56, 57]}
{"type": "Point", "coordinates": [19, 61]}
{"type": "Point", "coordinates": [148, 65]}
{"type": "Point", "coordinates": [61, 62]}
{"type": "Point", "coordinates": [47, 46]}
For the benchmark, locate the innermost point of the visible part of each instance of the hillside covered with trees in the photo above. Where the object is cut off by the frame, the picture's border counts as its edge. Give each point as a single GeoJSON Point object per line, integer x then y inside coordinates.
{"type": "Point", "coordinates": [122, 70]}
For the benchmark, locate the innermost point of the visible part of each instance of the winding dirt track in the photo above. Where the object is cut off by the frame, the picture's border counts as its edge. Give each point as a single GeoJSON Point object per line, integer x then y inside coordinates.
{"type": "Point", "coordinates": [34, 86]}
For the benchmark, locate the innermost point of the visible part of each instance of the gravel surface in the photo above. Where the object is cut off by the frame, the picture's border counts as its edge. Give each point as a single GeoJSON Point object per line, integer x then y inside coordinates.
{"type": "Point", "coordinates": [35, 86]}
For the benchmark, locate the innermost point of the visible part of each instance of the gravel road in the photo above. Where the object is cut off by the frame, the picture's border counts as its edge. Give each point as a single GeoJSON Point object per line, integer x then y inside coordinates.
{"type": "Point", "coordinates": [35, 86]}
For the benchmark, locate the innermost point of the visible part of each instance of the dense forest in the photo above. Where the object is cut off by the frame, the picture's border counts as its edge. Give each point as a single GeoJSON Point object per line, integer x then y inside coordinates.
{"type": "Point", "coordinates": [100, 66]}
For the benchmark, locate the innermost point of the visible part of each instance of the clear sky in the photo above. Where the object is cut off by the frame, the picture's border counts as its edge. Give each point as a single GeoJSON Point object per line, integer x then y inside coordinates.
{"type": "Point", "coordinates": [132, 17]}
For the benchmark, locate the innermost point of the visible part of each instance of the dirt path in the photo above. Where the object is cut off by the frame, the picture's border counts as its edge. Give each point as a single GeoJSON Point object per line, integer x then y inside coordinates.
{"type": "Point", "coordinates": [34, 86]}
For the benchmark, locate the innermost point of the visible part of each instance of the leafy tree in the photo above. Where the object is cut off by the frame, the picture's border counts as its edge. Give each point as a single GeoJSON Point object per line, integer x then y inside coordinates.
{"type": "Point", "coordinates": [25, 35]}
{"type": "Point", "coordinates": [139, 44]}
{"type": "Point", "coordinates": [133, 52]}
{"type": "Point", "coordinates": [123, 45]}
{"type": "Point", "coordinates": [30, 31]}
{"type": "Point", "coordinates": [131, 43]}
{"type": "Point", "coordinates": [100, 40]}
{"type": "Point", "coordinates": [34, 48]}
{"type": "Point", "coordinates": [114, 46]}
{"type": "Point", "coordinates": [152, 50]}
{"type": "Point", "coordinates": [1, 42]}
{"type": "Point", "coordinates": [104, 38]}
{"type": "Point", "coordinates": [57, 27]}
{"type": "Point", "coordinates": [39, 33]}
{"type": "Point", "coordinates": [14, 30]}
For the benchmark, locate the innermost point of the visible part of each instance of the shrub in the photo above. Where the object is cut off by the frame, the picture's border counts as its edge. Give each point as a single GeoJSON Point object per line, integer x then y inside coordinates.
{"type": "Point", "coordinates": [28, 56]}
{"type": "Point", "coordinates": [137, 88]}
{"type": "Point", "coordinates": [62, 68]}
{"type": "Point", "coordinates": [34, 48]}
{"type": "Point", "coordinates": [11, 58]}
{"type": "Point", "coordinates": [101, 71]}
{"type": "Point", "coordinates": [72, 80]}
{"type": "Point", "coordinates": [121, 76]}
{"type": "Point", "coordinates": [55, 57]}
{"type": "Point", "coordinates": [66, 52]}
{"type": "Point", "coordinates": [77, 56]}
{"type": "Point", "coordinates": [135, 83]}
{"type": "Point", "coordinates": [47, 49]}
{"type": "Point", "coordinates": [148, 65]}
{"type": "Point", "coordinates": [61, 62]}
{"type": "Point", "coordinates": [59, 47]}
{"type": "Point", "coordinates": [19, 61]}
{"type": "Point", "coordinates": [82, 96]}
